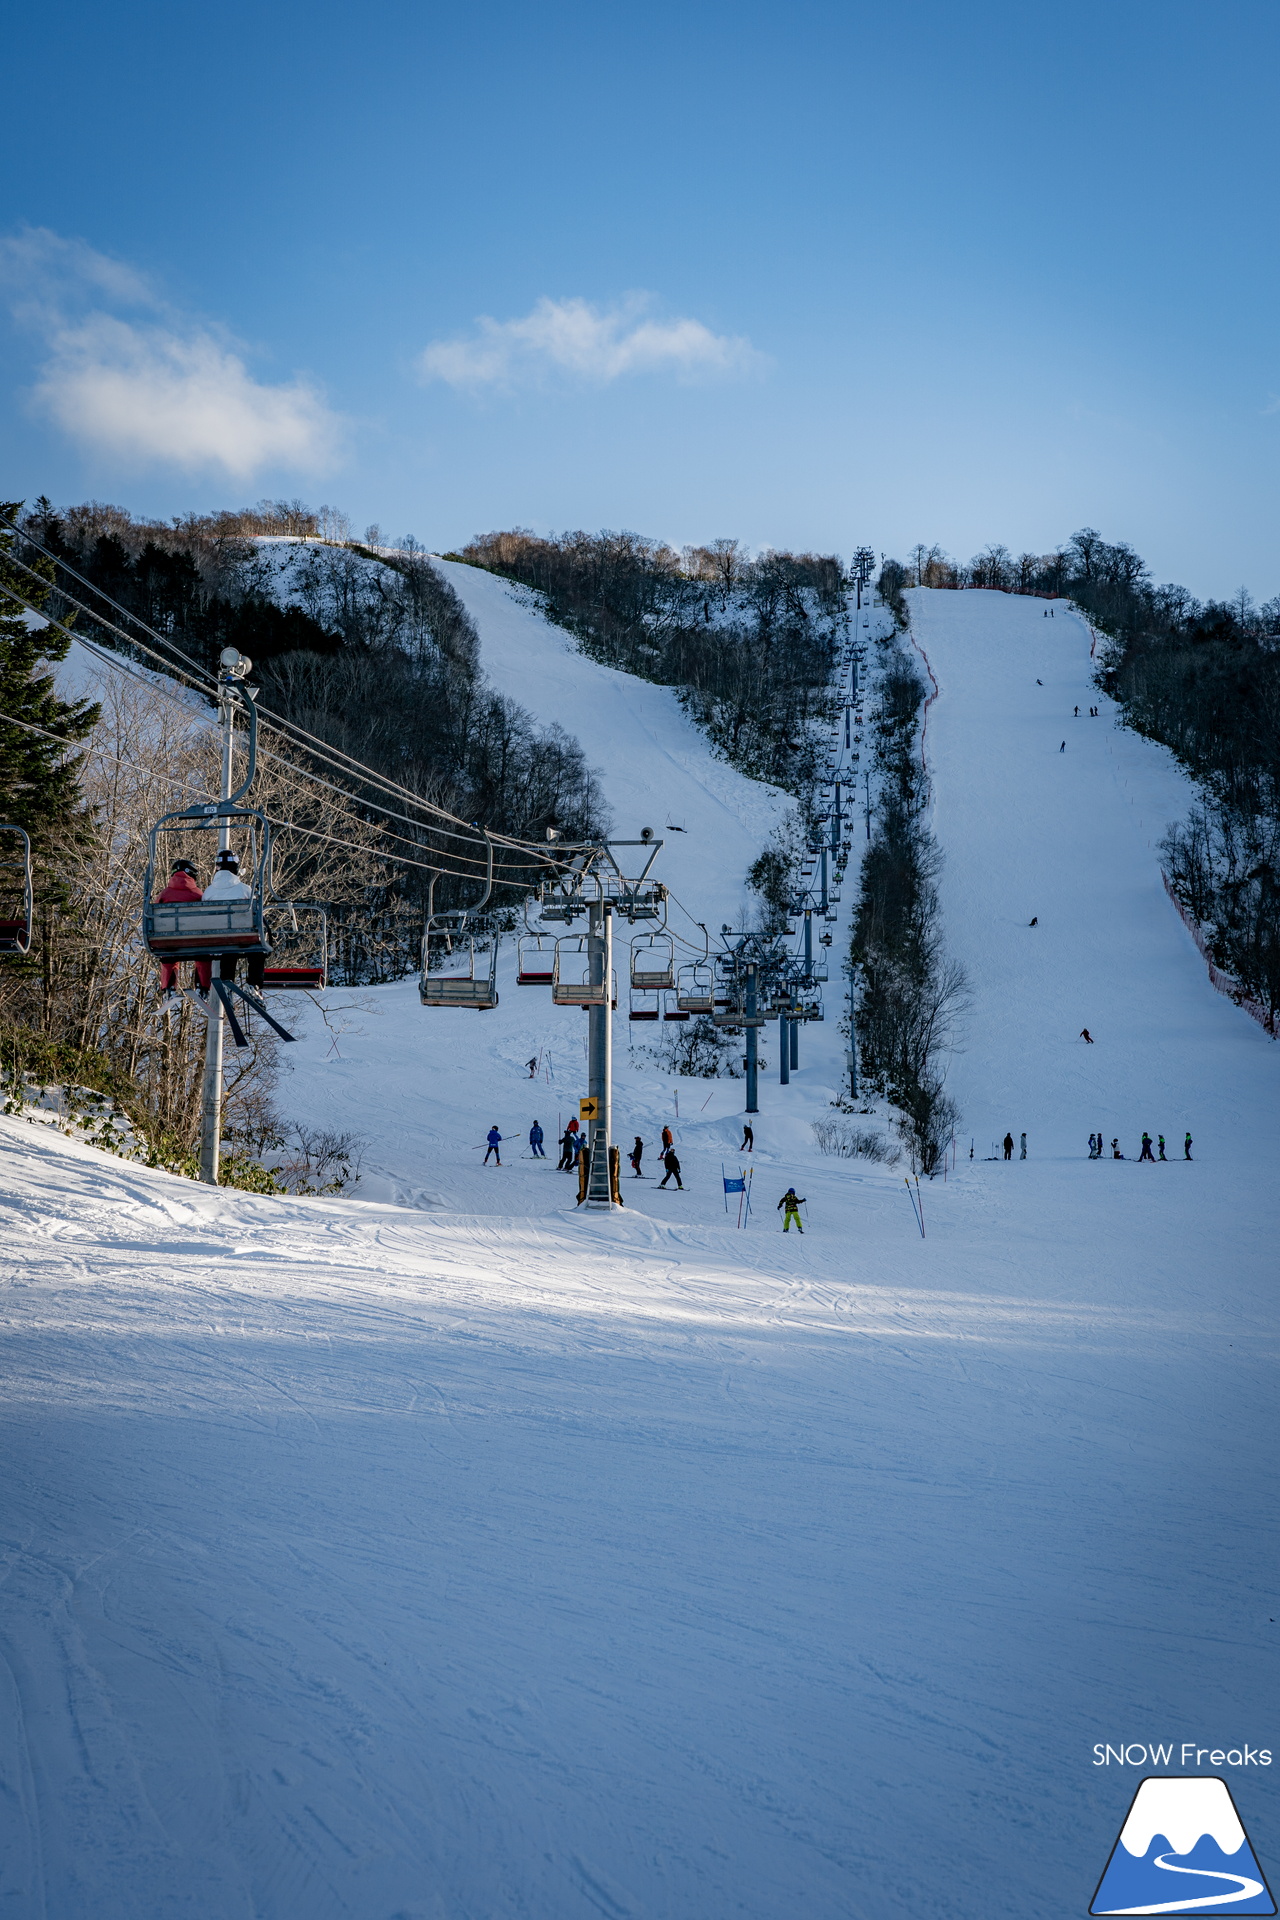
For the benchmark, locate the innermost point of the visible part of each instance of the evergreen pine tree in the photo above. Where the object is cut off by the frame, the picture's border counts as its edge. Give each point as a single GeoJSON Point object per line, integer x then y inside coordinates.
{"type": "Point", "coordinates": [38, 780]}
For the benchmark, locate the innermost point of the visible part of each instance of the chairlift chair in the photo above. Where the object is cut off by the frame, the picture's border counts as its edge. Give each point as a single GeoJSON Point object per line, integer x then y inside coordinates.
{"type": "Point", "coordinates": [535, 960]}
{"type": "Point", "coordinates": [653, 961]}
{"type": "Point", "coordinates": [284, 975]}
{"type": "Point", "coordinates": [571, 982]}
{"type": "Point", "coordinates": [672, 1010]}
{"type": "Point", "coordinates": [450, 976]}
{"type": "Point", "coordinates": [15, 869]}
{"type": "Point", "coordinates": [210, 929]}
{"type": "Point", "coordinates": [695, 988]}
{"type": "Point", "coordinates": [645, 1004]}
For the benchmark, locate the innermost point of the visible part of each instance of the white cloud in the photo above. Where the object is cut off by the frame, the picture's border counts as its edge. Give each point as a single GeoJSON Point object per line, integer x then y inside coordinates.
{"type": "Point", "coordinates": [590, 344]}
{"type": "Point", "coordinates": [158, 389]}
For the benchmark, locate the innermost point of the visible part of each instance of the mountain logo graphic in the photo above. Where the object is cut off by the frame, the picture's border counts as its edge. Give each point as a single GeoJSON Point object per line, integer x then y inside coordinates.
{"type": "Point", "coordinates": [1183, 1850]}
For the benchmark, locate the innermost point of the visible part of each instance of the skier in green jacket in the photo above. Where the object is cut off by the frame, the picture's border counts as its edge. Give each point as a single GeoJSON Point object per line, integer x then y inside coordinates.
{"type": "Point", "coordinates": [793, 1206]}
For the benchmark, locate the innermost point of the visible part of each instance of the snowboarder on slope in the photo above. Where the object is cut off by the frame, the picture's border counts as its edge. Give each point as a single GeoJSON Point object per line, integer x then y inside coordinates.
{"type": "Point", "coordinates": [748, 1140]}
{"type": "Point", "coordinates": [495, 1141]}
{"type": "Point", "coordinates": [636, 1155]}
{"type": "Point", "coordinates": [183, 890]}
{"type": "Point", "coordinates": [535, 1141]}
{"type": "Point", "coordinates": [1008, 1146]}
{"type": "Point", "coordinates": [672, 1165]}
{"type": "Point", "coordinates": [532, 1066]}
{"type": "Point", "coordinates": [1063, 747]}
{"type": "Point", "coordinates": [1034, 921]}
{"type": "Point", "coordinates": [793, 1205]}
{"type": "Point", "coordinates": [1146, 1153]}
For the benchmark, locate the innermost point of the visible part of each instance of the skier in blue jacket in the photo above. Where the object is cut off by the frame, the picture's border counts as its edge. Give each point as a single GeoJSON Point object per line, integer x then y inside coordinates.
{"type": "Point", "coordinates": [535, 1141]}
{"type": "Point", "coordinates": [495, 1141]}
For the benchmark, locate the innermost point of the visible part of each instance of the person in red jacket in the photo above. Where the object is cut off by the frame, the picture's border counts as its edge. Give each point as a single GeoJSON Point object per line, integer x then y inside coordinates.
{"type": "Point", "coordinates": [183, 887]}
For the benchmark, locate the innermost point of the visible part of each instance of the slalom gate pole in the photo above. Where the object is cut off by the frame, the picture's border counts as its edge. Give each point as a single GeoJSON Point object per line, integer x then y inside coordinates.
{"type": "Point", "coordinates": [725, 1188]}
{"type": "Point", "coordinates": [911, 1197]}
{"type": "Point", "coordinates": [920, 1205]}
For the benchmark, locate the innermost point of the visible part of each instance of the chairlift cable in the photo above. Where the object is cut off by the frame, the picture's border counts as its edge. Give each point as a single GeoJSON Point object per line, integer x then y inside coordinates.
{"type": "Point", "coordinates": [323, 749]}
{"type": "Point", "coordinates": [320, 750]}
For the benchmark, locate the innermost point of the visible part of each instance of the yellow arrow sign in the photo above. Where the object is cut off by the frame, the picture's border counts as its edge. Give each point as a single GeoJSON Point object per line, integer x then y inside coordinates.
{"type": "Point", "coordinates": [588, 1109]}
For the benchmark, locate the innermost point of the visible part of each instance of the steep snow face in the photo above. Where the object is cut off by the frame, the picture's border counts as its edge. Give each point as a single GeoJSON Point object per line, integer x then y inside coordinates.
{"type": "Point", "coordinates": [1071, 839]}
{"type": "Point", "coordinates": [1183, 1810]}
{"type": "Point", "coordinates": [655, 767]}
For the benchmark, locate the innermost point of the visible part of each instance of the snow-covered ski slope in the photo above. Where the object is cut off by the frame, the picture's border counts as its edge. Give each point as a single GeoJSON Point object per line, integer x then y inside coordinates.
{"type": "Point", "coordinates": [481, 1558]}
{"type": "Point", "coordinates": [654, 765]}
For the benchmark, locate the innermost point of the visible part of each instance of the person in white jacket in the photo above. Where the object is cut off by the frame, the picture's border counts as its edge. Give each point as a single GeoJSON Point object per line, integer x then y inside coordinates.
{"type": "Point", "coordinates": [226, 884]}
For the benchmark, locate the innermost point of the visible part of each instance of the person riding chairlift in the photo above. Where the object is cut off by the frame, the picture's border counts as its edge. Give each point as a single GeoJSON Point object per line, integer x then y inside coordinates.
{"type": "Point", "coordinates": [183, 890]}
{"type": "Point", "coordinates": [226, 884]}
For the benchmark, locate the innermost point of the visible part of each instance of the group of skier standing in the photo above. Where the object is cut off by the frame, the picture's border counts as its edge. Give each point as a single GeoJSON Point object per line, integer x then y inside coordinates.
{"type": "Point", "coordinates": [1096, 1152]}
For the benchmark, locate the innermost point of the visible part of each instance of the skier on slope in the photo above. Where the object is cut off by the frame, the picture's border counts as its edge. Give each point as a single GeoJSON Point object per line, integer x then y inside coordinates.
{"type": "Point", "coordinates": [1115, 1150]}
{"type": "Point", "coordinates": [672, 1165]}
{"type": "Point", "coordinates": [1008, 1146]}
{"type": "Point", "coordinates": [1146, 1153]}
{"type": "Point", "coordinates": [668, 1140]}
{"type": "Point", "coordinates": [1023, 1154]}
{"type": "Point", "coordinates": [495, 1141]}
{"type": "Point", "coordinates": [1160, 1153]}
{"type": "Point", "coordinates": [567, 1144]}
{"type": "Point", "coordinates": [636, 1155]}
{"type": "Point", "coordinates": [1186, 1150]}
{"type": "Point", "coordinates": [1086, 1036]}
{"type": "Point", "coordinates": [793, 1205]}
{"type": "Point", "coordinates": [748, 1139]}
{"type": "Point", "coordinates": [183, 890]}
{"type": "Point", "coordinates": [535, 1142]}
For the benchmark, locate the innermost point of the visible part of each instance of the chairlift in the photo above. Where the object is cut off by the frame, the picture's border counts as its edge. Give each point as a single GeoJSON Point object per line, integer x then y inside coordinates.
{"type": "Point", "coordinates": [645, 1004]}
{"type": "Point", "coordinates": [287, 973]}
{"type": "Point", "coordinates": [571, 982]}
{"type": "Point", "coordinates": [454, 973]}
{"type": "Point", "coordinates": [672, 1010]}
{"type": "Point", "coordinates": [695, 988]}
{"type": "Point", "coordinates": [450, 975]}
{"type": "Point", "coordinates": [15, 880]}
{"type": "Point", "coordinates": [209, 929]}
{"type": "Point", "coordinates": [535, 960]}
{"type": "Point", "coordinates": [653, 961]}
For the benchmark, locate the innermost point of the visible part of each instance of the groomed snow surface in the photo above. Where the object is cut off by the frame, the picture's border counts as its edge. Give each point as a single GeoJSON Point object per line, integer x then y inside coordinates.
{"type": "Point", "coordinates": [451, 1553]}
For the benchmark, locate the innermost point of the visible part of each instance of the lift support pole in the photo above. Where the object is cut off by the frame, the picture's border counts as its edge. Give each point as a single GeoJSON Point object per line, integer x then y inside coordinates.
{"type": "Point", "coordinates": [600, 1055]}
{"type": "Point", "coordinates": [753, 1103]}
{"type": "Point", "coordinates": [211, 1089]}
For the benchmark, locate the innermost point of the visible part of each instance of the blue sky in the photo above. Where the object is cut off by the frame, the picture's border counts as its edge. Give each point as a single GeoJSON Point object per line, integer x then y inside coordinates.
{"type": "Point", "coordinates": [809, 275]}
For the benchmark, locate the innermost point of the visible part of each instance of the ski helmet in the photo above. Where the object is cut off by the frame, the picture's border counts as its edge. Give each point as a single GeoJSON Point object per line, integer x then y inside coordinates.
{"type": "Point", "coordinates": [229, 862]}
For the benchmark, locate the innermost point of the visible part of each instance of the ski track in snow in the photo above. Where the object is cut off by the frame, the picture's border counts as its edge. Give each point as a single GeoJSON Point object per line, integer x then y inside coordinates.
{"type": "Point", "coordinates": [475, 1557]}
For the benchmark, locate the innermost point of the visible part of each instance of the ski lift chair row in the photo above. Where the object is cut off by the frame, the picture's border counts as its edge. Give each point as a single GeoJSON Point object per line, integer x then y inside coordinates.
{"type": "Point", "coordinates": [15, 934]}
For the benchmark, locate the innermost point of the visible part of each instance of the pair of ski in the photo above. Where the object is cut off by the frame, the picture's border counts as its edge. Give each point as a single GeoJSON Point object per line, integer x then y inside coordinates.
{"type": "Point", "coordinates": [224, 990]}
